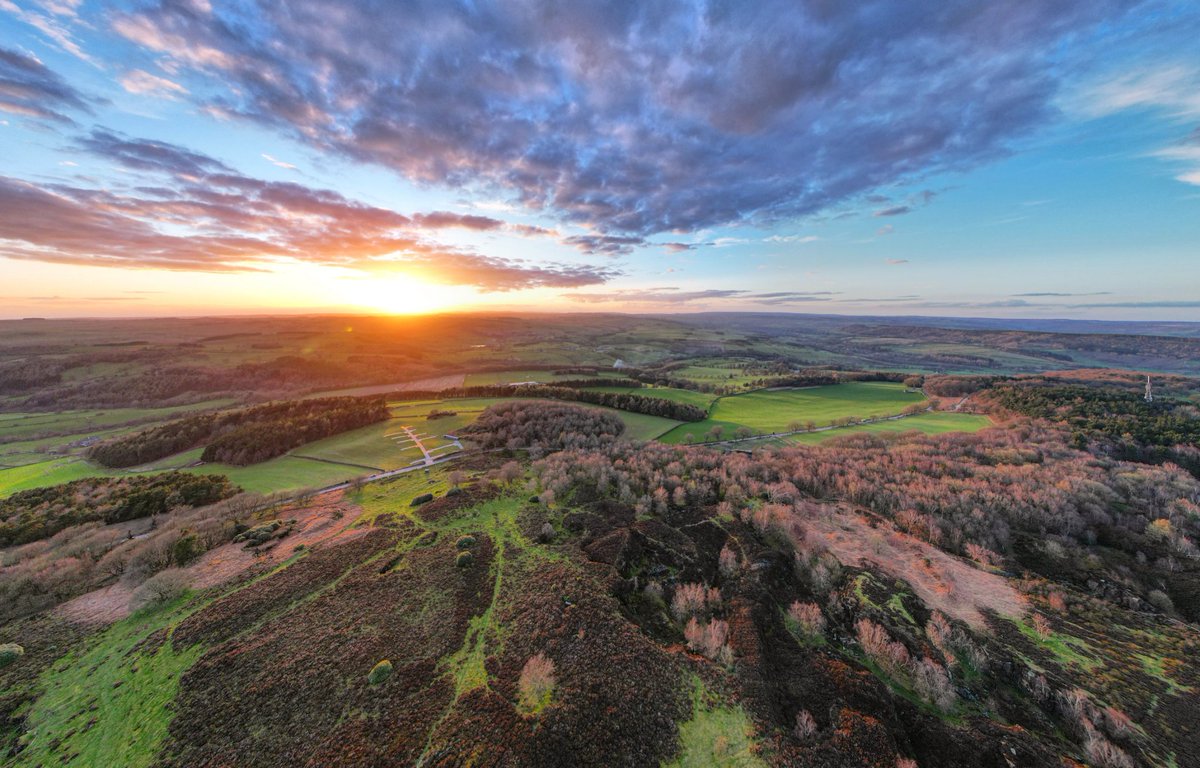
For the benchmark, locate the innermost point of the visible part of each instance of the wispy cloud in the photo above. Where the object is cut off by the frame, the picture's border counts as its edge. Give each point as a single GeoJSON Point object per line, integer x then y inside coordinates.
{"type": "Point", "coordinates": [666, 296]}
{"type": "Point", "coordinates": [278, 163]}
{"type": "Point", "coordinates": [145, 84]}
{"type": "Point", "coordinates": [197, 213]}
{"type": "Point", "coordinates": [30, 89]}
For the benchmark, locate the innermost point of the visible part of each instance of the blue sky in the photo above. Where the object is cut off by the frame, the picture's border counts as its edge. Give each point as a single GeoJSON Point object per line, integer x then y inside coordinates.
{"type": "Point", "coordinates": [1010, 159]}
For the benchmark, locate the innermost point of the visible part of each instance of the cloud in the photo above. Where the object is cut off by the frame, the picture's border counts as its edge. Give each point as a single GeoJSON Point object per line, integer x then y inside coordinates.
{"type": "Point", "coordinates": [278, 163]}
{"type": "Point", "coordinates": [897, 261]}
{"type": "Point", "coordinates": [609, 245]}
{"type": "Point", "coordinates": [1170, 90]}
{"type": "Point", "coordinates": [791, 239]}
{"type": "Point", "coordinates": [149, 155]}
{"type": "Point", "coordinates": [896, 210]}
{"type": "Point", "coordinates": [1057, 294]}
{"type": "Point", "coordinates": [679, 247]}
{"type": "Point", "coordinates": [199, 214]}
{"type": "Point", "coordinates": [51, 27]}
{"type": "Point", "coordinates": [28, 88]}
{"type": "Point", "coordinates": [636, 118]}
{"type": "Point", "coordinates": [676, 296]}
{"type": "Point", "coordinates": [145, 84]}
{"type": "Point", "coordinates": [1187, 304]}
{"type": "Point", "coordinates": [886, 229]}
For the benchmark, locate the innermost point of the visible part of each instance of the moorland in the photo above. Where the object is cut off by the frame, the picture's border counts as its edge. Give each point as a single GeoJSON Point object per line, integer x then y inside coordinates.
{"type": "Point", "coordinates": [598, 540]}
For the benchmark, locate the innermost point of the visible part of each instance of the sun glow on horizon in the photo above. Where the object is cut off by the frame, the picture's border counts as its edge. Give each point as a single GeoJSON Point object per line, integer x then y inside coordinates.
{"type": "Point", "coordinates": [403, 295]}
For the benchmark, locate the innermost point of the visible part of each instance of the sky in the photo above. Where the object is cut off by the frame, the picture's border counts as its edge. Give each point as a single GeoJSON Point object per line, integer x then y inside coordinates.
{"type": "Point", "coordinates": [1015, 158]}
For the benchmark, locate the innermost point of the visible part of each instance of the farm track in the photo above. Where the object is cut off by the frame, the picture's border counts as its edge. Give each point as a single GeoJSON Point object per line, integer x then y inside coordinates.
{"type": "Point", "coordinates": [334, 461]}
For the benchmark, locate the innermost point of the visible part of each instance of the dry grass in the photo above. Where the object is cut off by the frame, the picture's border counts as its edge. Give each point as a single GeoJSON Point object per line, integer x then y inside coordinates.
{"type": "Point", "coordinates": [943, 581]}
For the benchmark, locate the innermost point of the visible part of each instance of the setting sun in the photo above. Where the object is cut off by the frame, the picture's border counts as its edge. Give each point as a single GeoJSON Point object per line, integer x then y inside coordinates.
{"type": "Point", "coordinates": [401, 295]}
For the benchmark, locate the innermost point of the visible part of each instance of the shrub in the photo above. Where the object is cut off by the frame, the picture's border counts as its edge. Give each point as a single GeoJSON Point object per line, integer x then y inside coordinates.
{"type": "Point", "coordinates": [806, 727]}
{"type": "Point", "coordinates": [186, 549]}
{"type": "Point", "coordinates": [159, 589]}
{"type": "Point", "coordinates": [547, 533]}
{"type": "Point", "coordinates": [424, 498]}
{"type": "Point", "coordinates": [464, 559]}
{"type": "Point", "coordinates": [1161, 601]}
{"type": "Point", "coordinates": [880, 648]}
{"type": "Point", "coordinates": [807, 619]}
{"type": "Point", "coordinates": [465, 542]}
{"type": "Point", "coordinates": [535, 687]}
{"type": "Point", "coordinates": [727, 562]}
{"type": "Point", "coordinates": [380, 672]}
{"type": "Point", "coordinates": [933, 684]}
{"type": "Point", "coordinates": [1103, 753]}
{"type": "Point", "coordinates": [709, 639]}
{"type": "Point", "coordinates": [691, 599]}
{"type": "Point", "coordinates": [10, 652]}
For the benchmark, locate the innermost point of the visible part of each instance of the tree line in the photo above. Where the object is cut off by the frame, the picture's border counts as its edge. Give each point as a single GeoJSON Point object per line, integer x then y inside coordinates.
{"type": "Point", "coordinates": [42, 512]}
{"type": "Point", "coordinates": [244, 436]}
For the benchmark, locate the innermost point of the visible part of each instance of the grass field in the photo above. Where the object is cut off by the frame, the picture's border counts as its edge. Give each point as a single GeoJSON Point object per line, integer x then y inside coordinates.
{"type": "Point", "coordinates": [773, 410]}
{"type": "Point", "coordinates": [934, 423]}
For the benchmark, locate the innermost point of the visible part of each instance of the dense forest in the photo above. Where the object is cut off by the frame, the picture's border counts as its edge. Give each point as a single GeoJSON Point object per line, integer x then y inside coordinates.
{"type": "Point", "coordinates": [1150, 432]}
{"type": "Point", "coordinates": [42, 512]}
{"type": "Point", "coordinates": [622, 401]}
{"type": "Point", "coordinates": [542, 427]}
{"type": "Point", "coordinates": [244, 436]}
{"type": "Point", "coordinates": [1020, 495]}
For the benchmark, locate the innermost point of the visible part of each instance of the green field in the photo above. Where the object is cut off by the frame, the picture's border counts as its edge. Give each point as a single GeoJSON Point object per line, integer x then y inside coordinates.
{"type": "Point", "coordinates": [773, 410]}
{"type": "Point", "coordinates": [934, 423]}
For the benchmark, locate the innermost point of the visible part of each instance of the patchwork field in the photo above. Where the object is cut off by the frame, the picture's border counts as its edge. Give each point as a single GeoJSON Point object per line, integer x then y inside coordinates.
{"type": "Point", "coordinates": [774, 410]}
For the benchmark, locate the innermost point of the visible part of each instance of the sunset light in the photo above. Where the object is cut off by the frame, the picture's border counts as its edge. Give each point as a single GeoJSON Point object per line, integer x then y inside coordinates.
{"type": "Point", "coordinates": [398, 295]}
{"type": "Point", "coordinates": [600, 383]}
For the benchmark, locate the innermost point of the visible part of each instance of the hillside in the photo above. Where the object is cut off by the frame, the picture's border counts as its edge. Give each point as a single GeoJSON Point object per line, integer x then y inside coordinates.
{"type": "Point", "coordinates": [1001, 598]}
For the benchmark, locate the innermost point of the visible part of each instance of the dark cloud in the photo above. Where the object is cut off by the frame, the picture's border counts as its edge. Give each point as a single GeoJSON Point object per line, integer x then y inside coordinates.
{"type": "Point", "coordinates": [202, 215]}
{"type": "Point", "coordinates": [637, 118]}
{"type": "Point", "coordinates": [30, 89]}
{"type": "Point", "coordinates": [147, 155]}
{"type": "Point", "coordinates": [609, 245]}
{"type": "Point", "coordinates": [895, 210]}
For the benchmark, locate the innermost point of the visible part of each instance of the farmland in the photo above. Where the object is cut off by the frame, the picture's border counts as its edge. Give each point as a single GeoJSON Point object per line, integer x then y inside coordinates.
{"type": "Point", "coordinates": [767, 411]}
{"type": "Point", "coordinates": [384, 446]}
{"type": "Point", "coordinates": [934, 423]}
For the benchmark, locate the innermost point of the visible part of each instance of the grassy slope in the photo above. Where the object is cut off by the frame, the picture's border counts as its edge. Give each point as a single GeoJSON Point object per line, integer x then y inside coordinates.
{"type": "Point", "coordinates": [717, 736]}
{"type": "Point", "coordinates": [773, 410]}
{"type": "Point", "coordinates": [107, 704]}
